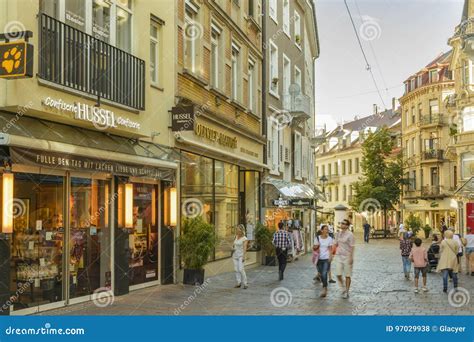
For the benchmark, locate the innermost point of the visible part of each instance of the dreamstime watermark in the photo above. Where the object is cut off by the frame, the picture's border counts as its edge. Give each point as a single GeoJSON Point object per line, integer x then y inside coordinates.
{"type": "Point", "coordinates": [197, 291]}
{"type": "Point", "coordinates": [21, 110]}
{"type": "Point", "coordinates": [23, 287]}
{"type": "Point", "coordinates": [192, 207]}
{"type": "Point", "coordinates": [459, 297]}
{"type": "Point", "coordinates": [193, 30]}
{"type": "Point", "coordinates": [16, 206]}
{"type": "Point", "coordinates": [101, 210]}
{"type": "Point", "coordinates": [13, 28]}
{"type": "Point", "coordinates": [47, 329]}
{"type": "Point", "coordinates": [102, 297]}
{"type": "Point", "coordinates": [370, 206]}
{"type": "Point", "coordinates": [281, 296]}
{"type": "Point", "coordinates": [370, 29]}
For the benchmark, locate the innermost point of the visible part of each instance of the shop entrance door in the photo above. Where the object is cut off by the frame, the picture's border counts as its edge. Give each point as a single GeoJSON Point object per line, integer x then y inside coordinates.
{"type": "Point", "coordinates": [89, 234]}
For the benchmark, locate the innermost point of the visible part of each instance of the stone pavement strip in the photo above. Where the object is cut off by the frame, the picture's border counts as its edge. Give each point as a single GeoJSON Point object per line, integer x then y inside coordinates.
{"type": "Point", "coordinates": [379, 288]}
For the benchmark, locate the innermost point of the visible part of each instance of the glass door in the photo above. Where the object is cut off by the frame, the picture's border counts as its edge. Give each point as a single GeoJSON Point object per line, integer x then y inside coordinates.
{"type": "Point", "coordinates": [89, 237]}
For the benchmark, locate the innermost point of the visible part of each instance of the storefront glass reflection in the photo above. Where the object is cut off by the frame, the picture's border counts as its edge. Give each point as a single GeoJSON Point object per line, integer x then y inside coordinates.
{"type": "Point", "coordinates": [38, 240]}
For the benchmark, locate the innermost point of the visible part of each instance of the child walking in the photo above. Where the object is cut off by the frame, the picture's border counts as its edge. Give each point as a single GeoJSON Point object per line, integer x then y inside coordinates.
{"type": "Point", "coordinates": [419, 257]}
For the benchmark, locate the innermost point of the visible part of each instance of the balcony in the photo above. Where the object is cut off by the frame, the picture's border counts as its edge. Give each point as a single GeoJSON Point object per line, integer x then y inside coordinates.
{"type": "Point", "coordinates": [432, 191]}
{"type": "Point", "coordinates": [433, 155]}
{"type": "Point", "coordinates": [334, 179]}
{"type": "Point", "coordinates": [465, 138]}
{"type": "Point", "coordinates": [431, 120]}
{"type": "Point", "coordinates": [299, 106]}
{"type": "Point", "coordinates": [71, 58]}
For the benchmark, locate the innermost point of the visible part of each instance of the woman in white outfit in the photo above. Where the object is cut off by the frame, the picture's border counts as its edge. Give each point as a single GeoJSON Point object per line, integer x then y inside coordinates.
{"type": "Point", "coordinates": [238, 256]}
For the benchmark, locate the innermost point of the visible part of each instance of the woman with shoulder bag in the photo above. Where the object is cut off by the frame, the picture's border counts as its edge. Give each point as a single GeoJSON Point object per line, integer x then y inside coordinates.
{"type": "Point", "coordinates": [448, 261]}
{"type": "Point", "coordinates": [324, 243]}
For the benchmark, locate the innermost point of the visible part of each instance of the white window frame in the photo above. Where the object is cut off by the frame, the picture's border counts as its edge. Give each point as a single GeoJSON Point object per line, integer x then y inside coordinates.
{"type": "Point", "coordinates": [468, 119]}
{"type": "Point", "coordinates": [419, 80]}
{"type": "Point", "coordinates": [251, 80]}
{"type": "Point", "coordinates": [273, 10]}
{"type": "Point", "coordinates": [437, 75]}
{"type": "Point", "coordinates": [286, 17]}
{"type": "Point", "coordinates": [235, 72]}
{"type": "Point", "coordinates": [298, 78]}
{"type": "Point", "coordinates": [155, 76]}
{"type": "Point", "coordinates": [297, 30]}
{"type": "Point", "coordinates": [286, 81]}
{"type": "Point", "coordinates": [215, 60]}
{"type": "Point", "coordinates": [298, 156]}
{"type": "Point", "coordinates": [413, 83]}
{"type": "Point", "coordinates": [467, 71]}
{"type": "Point", "coordinates": [274, 70]}
{"type": "Point", "coordinates": [189, 7]}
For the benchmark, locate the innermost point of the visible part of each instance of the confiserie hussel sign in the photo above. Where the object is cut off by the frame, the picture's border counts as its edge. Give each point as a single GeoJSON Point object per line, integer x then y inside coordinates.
{"type": "Point", "coordinates": [99, 117]}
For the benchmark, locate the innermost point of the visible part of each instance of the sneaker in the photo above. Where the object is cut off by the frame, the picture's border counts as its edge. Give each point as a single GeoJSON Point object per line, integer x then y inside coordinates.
{"type": "Point", "coordinates": [416, 290]}
{"type": "Point", "coordinates": [332, 281]}
{"type": "Point", "coordinates": [345, 295]}
{"type": "Point", "coordinates": [472, 273]}
{"type": "Point", "coordinates": [237, 286]}
{"type": "Point", "coordinates": [424, 289]}
{"type": "Point", "coordinates": [246, 287]}
{"type": "Point", "coordinates": [445, 290]}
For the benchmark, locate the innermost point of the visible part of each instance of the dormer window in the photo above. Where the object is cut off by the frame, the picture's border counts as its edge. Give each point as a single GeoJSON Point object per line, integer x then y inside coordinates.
{"type": "Point", "coordinates": [413, 83]}
{"type": "Point", "coordinates": [433, 76]}
{"type": "Point", "coordinates": [419, 80]}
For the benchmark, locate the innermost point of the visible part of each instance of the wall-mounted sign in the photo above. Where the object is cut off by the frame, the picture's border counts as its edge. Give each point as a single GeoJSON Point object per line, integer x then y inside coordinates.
{"type": "Point", "coordinates": [470, 215]}
{"type": "Point", "coordinates": [301, 202]}
{"type": "Point", "coordinates": [281, 202]}
{"type": "Point", "coordinates": [214, 135]}
{"type": "Point", "coordinates": [16, 60]}
{"type": "Point", "coordinates": [182, 118]}
{"type": "Point", "coordinates": [66, 161]}
{"type": "Point", "coordinates": [99, 117]}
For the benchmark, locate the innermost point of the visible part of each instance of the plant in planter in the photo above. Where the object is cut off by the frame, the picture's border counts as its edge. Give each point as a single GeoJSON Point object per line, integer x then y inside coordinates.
{"type": "Point", "coordinates": [427, 229]}
{"type": "Point", "coordinates": [264, 239]}
{"type": "Point", "coordinates": [196, 244]}
{"type": "Point", "coordinates": [298, 39]}
{"type": "Point", "coordinates": [275, 80]}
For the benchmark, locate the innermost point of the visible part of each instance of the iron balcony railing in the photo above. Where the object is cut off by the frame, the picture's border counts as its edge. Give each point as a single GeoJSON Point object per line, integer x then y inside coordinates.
{"type": "Point", "coordinates": [431, 191]}
{"type": "Point", "coordinates": [433, 154]}
{"type": "Point", "coordinates": [74, 59]}
{"type": "Point", "coordinates": [298, 104]}
{"type": "Point", "coordinates": [433, 119]}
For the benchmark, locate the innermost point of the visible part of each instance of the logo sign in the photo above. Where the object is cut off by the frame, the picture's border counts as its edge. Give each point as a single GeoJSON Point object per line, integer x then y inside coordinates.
{"type": "Point", "coordinates": [281, 202]}
{"type": "Point", "coordinates": [182, 118]}
{"type": "Point", "coordinates": [16, 60]}
{"type": "Point", "coordinates": [301, 202]}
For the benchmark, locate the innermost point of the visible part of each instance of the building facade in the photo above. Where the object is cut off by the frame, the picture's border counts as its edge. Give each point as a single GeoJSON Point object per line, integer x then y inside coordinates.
{"type": "Point", "coordinates": [88, 178]}
{"type": "Point", "coordinates": [338, 167]}
{"type": "Point", "coordinates": [219, 68]}
{"type": "Point", "coordinates": [431, 174]}
{"type": "Point", "coordinates": [291, 46]}
{"type": "Point", "coordinates": [460, 108]}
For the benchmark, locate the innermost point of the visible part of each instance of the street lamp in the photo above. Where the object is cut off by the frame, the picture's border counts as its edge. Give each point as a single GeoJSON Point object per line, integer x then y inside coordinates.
{"type": "Point", "coordinates": [323, 181]}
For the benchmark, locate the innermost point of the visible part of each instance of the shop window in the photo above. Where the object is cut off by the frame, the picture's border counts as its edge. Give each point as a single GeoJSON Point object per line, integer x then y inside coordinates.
{"type": "Point", "coordinates": [38, 240]}
{"type": "Point", "coordinates": [89, 238]}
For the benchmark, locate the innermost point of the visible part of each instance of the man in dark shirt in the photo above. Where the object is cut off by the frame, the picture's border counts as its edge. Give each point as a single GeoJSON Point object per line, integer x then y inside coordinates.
{"type": "Point", "coordinates": [366, 231]}
{"type": "Point", "coordinates": [281, 241]}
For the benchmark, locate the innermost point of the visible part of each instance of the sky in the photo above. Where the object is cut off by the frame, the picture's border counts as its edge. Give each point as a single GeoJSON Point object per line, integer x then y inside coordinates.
{"type": "Point", "coordinates": [399, 38]}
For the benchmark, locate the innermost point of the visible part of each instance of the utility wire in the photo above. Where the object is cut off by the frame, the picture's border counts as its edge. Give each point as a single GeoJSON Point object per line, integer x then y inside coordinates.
{"type": "Point", "coordinates": [368, 67]}
{"type": "Point", "coordinates": [375, 56]}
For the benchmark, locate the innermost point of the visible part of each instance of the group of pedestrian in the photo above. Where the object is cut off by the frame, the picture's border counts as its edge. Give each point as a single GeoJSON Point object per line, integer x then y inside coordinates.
{"type": "Point", "coordinates": [451, 250]}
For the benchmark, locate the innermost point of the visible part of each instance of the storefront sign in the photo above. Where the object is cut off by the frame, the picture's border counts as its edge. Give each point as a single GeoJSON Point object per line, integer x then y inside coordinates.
{"type": "Point", "coordinates": [214, 135]}
{"type": "Point", "coordinates": [301, 202]}
{"type": "Point", "coordinates": [182, 118]}
{"type": "Point", "coordinates": [470, 215]}
{"type": "Point", "coordinates": [281, 202]}
{"type": "Point", "coordinates": [65, 161]}
{"type": "Point", "coordinates": [99, 117]}
{"type": "Point", "coordinates": [16, 60]}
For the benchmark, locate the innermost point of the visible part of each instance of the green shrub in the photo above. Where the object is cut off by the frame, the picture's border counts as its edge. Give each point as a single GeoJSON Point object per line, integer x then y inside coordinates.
{"type": "Point", "coordinates": [264, 239]}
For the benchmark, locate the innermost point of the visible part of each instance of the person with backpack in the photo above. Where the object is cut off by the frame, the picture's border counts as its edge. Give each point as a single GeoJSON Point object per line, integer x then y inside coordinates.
{"type": "Point", "coordinates": [323, 243]}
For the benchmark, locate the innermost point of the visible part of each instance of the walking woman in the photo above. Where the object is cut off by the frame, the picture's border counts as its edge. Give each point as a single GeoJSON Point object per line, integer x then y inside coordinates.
{"type": "Point", "coordinates": [238, 256]}
{"type": "Point", "coordinates": [448, 261]}
{"type": "Point", "coordinates": [405, 248]}
{"type": "Point", "coordinates": [324, 243]}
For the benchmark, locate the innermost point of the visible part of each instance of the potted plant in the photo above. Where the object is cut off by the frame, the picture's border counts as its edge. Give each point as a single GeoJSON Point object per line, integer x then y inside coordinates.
{"type": "Point", "coordinates": [298, 39]}
{"type": "Point", "coordinates": [427, 229]}
{"type": "Point", "coordinates": [275, 80]}
{"type": "Point", "coordinates": [196, 244]}
{"type": "Point", "coordinates": [264, 239]}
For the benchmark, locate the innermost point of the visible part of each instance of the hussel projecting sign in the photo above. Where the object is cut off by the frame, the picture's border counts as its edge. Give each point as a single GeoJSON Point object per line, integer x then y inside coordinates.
{"type": "Point", "coordinates": [99, 117]}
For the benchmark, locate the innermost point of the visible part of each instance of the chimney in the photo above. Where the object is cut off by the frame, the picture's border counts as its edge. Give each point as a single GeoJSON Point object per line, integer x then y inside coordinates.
{"type": "Point", "coordinates": [394, 103]}
{"type": "Point", "coordinates": [376, 109]}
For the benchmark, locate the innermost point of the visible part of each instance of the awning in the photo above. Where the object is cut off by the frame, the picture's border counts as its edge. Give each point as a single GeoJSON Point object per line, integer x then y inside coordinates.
{"type": "Point", "coordinates": [42, 143]}
{"type": "Point", "coordinates": [467, 189]}
{"type": "Point", "coordinates": [291, 190]}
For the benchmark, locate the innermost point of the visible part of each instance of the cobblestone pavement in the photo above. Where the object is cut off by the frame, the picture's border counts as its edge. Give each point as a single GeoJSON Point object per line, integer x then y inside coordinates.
{"type": "Point", "coordinates": [379, 288]}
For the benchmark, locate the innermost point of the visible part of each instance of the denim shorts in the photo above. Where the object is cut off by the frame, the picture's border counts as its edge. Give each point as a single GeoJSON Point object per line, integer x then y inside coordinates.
{"type": "Point", "coordinates": [423, 271]}
{"type": "Point", "coordinates": [469, 250]}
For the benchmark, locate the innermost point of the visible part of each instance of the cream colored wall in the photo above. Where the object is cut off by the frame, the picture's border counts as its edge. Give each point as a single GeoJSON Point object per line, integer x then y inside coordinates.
{"type": "Point", "coordinates": [155, 117]}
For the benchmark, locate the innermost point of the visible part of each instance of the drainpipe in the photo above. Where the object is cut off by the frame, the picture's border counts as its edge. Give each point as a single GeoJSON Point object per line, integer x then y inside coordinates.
{"type": "Point", "coordinates": [264, 105]}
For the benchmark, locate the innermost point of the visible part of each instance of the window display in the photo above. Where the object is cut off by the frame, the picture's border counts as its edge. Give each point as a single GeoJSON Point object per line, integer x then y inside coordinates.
{"type": "Point", "coordinates": [38, 240]}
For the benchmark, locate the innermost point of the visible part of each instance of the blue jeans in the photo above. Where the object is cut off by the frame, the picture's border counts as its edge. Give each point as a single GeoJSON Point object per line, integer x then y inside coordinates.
{"type": "Point", "coordinates": [366, 235]}
{"type": "Point", "coordinates": [406, 264]}
{"type": "Point", "coordinates": [323, 269]}
{"type": "Point", "coordinates": [453, 275]}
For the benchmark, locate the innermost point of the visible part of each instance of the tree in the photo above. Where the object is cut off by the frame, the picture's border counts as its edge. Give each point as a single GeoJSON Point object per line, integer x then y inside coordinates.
{"type": "Point", "coordinates": [380, 185]}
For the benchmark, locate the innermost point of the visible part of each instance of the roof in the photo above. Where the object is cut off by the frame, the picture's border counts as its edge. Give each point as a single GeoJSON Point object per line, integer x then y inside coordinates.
{"type": "Point", "coordinates": [443, 58]}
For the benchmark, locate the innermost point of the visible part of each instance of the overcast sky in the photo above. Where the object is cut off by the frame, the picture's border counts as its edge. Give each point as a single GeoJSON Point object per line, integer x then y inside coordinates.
{"type": "Point", "coordinates": [399, 38]}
